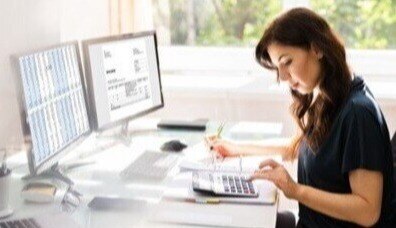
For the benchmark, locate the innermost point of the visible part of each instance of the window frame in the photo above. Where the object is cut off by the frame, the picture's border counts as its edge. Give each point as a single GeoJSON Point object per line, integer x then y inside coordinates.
{"type": "Point", "coordinates": [240, 61]}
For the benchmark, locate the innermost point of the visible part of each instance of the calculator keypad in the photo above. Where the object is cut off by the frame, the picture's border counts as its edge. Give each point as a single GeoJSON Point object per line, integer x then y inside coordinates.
{"type": "Point", "coordinates": [237, 185]}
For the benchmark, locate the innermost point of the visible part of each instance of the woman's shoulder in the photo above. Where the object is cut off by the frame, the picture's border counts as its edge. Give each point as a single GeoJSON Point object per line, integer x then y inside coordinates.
{"type": "Point", "coordinates": [361, 103]}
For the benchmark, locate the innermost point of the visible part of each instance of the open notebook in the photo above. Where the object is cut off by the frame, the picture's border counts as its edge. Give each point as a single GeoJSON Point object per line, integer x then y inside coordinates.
{"type": "Point", "coordinates": [200, 159]}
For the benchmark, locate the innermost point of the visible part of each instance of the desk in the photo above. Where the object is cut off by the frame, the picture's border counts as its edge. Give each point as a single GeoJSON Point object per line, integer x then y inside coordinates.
{"type": "Point", "coordinates": [102, 179]}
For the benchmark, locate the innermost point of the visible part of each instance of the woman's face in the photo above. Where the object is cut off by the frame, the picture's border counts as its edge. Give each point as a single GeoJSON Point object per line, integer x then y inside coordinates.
{"type": "Point", "coordinates": [298, 67]}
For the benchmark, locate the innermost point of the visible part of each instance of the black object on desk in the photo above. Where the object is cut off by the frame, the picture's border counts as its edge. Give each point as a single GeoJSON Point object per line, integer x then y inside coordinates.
{"type": "Point", "coordinates": [194, 125]}
{"type": "Point", "coordinates": [173, 146]}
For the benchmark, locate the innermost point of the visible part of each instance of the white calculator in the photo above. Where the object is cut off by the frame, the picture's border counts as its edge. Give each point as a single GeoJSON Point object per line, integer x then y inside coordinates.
{"type": "Point", "coordinates": [224, 184]}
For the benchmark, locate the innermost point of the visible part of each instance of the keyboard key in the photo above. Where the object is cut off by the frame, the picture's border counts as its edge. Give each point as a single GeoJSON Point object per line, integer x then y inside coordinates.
{"type": "Point", "coordinates": [23, 223]}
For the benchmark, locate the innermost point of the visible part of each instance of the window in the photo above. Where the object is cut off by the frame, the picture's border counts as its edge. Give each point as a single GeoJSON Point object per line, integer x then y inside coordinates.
{"type": "Point", "coordinates": [364, 24]}
{"type": "Point", "coordinates": [205, 35]}
{"type": "Point", "coordinates": [213, 22]}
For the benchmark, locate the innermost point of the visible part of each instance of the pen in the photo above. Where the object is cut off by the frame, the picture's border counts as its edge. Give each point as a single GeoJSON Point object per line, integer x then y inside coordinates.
{"type": "Point", "coordinates": [219, 130]}
{"type": "Point", "coordinates": [218, 133]}
{"type": "Point", "coordinates": [214, 156]}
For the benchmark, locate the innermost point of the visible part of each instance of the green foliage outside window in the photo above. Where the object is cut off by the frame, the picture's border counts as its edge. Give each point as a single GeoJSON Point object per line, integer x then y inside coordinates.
{"type": "Point", "coordinates": [363, 24]}
{"type": "Point", "coordinates": [216, 22]}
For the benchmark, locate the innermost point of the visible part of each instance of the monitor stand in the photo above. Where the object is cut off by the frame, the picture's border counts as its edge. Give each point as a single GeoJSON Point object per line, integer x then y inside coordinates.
{"type": "Point", "coordinates": [57, 172]}
{"type": "Point", "coordinates": [105, 141]}
{"type": "Point", "coordinates": [122, 136]}
{"type": "Point", "coordinates": [108, 140]}
{"type": "Point", "coordinates": [54, 173]}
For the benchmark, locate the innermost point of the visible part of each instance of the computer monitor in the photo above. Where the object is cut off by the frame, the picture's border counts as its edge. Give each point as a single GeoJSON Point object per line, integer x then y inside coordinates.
{"type": "Point", "coordinates": [52, 100]}
{"type": "Point", "coordinates": [123, 78]}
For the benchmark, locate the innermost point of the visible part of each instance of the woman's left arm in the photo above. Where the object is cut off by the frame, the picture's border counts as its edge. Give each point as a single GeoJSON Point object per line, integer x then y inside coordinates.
{"type": "Point", "coordinates": [362, 206]}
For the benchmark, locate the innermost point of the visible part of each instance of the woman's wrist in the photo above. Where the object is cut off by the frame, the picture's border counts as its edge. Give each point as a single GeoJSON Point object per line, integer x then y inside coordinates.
{"type": "Point", "coordinates": [298, 192]}
{"type": "Point", "coordinates": [242, 150]}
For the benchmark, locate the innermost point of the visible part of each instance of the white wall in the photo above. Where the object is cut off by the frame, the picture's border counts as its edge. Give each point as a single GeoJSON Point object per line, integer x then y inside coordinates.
{"type": "Point", "coordinates": [24, 25]}
{"type": "Point", "coordinates": [27, 25]}
{"type": "Point", "coordinates": [84, 19]}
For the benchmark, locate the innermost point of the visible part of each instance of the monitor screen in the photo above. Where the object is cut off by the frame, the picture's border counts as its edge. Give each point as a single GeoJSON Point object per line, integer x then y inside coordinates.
{"type": "Point", "coordinates": [52, 101]}
{"type": "Point", "coordinates": [123, 77]}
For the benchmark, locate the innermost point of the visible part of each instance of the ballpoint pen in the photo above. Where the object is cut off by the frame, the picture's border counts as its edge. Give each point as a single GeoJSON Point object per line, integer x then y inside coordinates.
{"type": "Point", "coordinates": [218, 135]}
{"type": "Point", "coordinates": [220, 130]}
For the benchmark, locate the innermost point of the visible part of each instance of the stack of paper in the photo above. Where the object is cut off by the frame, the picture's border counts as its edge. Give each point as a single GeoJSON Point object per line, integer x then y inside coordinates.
{"type": "Point", "coordinates": [237, 164]}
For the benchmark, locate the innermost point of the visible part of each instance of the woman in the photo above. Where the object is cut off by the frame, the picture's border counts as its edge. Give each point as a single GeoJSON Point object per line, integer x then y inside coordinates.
{"type": "Point", "coordinates": [344, 155]}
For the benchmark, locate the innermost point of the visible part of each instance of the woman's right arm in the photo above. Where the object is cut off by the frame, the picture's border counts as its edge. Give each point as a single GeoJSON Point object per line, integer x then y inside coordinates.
{"type": "Point", "coordinates": [274, 146]}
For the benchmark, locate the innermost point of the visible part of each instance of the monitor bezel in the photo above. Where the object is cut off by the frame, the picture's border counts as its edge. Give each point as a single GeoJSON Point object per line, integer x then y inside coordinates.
{"type": "Point", "coordinates": [46, 164]}
{"type": "Point", "coordinates": [91, 94]}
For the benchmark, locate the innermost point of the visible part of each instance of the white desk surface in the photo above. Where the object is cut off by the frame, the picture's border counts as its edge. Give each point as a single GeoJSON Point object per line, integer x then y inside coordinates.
{"type": "Point", "coordinates": [102, 179]}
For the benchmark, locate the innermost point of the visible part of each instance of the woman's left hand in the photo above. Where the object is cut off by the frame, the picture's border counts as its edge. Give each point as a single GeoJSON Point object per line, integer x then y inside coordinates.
{"type": "Point", "coordinates": [276, 173]}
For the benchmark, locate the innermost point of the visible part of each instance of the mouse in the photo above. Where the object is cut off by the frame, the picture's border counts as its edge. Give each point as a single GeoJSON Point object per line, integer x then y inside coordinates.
{"type": "Point", "coordinates": [173, 146]}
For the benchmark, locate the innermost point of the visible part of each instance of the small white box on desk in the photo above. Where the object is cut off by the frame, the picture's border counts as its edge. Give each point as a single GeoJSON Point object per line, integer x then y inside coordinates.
{"type": "Point", "coordinates": [255, 130]}
{"type": "Point", "coordinates": [39, 192]}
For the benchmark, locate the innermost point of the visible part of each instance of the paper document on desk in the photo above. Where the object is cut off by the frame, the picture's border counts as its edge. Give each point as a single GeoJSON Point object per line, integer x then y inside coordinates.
{"type": "Point", "coordinates": [247, 164]}
{"type": "Point", "coordinates": [224, 166]}
{"type": "Point", "coordinates": [201, 159]}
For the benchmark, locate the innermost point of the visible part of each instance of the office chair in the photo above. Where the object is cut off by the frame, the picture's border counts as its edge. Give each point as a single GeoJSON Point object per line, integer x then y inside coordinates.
{"type": "Point", "coordinates": [393, 144]}
{"type": "Point", "coordinates": [285, 219]}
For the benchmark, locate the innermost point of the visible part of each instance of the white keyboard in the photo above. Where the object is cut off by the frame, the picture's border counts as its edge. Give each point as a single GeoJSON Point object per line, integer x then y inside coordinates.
{"type": "Point", "coordinates": [150, 164]}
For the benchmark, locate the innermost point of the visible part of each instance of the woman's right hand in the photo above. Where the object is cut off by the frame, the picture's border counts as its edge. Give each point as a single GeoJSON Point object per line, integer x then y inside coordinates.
{"type": "Point", "coordinates": [222, 147]}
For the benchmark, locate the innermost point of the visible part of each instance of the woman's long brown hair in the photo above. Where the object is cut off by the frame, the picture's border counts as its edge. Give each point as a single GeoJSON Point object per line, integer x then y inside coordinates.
{"type": "Point", "coordinates": [302, 28]}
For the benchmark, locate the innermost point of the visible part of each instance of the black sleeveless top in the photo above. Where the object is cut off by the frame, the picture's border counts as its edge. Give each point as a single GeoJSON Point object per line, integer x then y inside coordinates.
{"type": "Point", "coordinates": [359, 138]}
